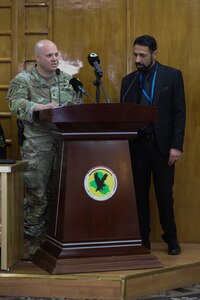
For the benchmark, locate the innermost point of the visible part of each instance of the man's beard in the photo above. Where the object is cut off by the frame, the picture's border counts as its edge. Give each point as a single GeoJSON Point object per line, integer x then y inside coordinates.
{"type": "Point", "coordinates": [142, 68]}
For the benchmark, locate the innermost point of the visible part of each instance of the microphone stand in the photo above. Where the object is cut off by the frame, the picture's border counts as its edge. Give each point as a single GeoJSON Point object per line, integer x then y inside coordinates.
{"type": "Point", "coordinates": [98, 83]}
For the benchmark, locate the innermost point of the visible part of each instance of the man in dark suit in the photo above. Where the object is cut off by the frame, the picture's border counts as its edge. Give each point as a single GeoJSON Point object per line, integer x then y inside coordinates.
{"type": "Point", "coordinates": [159, 145]}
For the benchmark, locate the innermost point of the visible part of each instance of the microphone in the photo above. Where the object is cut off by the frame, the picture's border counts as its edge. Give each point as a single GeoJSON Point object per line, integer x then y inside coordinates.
{"type": "Point", "coordinates": [95, 61]}
{"type": "Point", "coordinates": [77, 85]}
{"type": "Point", "coordinates": [58, 71]}
{"type": "Point", "coordinates": [134, 79]}
{"type": "Point", "coordinates": [58, 74]}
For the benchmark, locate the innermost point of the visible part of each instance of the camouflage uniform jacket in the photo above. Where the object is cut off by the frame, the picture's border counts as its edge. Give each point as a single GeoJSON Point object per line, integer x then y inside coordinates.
{"type": "Point", "coordinates": [29, 88]}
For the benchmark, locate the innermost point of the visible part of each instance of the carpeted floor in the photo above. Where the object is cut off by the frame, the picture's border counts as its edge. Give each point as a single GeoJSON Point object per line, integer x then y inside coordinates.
{"type": "Point", "coordinates": [186, 293]}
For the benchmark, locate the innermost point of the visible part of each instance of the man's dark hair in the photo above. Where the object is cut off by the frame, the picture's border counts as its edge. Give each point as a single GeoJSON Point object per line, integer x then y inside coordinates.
{"type": "Point", "coordinates": [146, 40]}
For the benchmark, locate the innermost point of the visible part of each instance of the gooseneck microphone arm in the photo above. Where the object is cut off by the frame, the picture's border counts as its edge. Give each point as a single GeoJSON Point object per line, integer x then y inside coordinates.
{"type": "Point", "coordinates": [91, 98]}
{"type": "Point", "coordinates": [132, 82]}
{"type": "Point", "coordinates": [58, 74]}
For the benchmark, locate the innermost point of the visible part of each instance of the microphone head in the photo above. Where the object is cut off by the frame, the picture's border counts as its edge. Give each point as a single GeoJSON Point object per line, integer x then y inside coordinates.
{"type": "Point", "coordinates": [57, 71]}
{"type": "Point", "coordinates": [92, 57]}
{"type": "Point", "coordinates": [75, 83]}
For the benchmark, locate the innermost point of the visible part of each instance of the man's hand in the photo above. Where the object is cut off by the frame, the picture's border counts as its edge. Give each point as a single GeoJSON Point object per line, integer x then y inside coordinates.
{"type": "Point", "coordinates": [45, 106]}
{"type": "Point", "coordinates": [174, 155]}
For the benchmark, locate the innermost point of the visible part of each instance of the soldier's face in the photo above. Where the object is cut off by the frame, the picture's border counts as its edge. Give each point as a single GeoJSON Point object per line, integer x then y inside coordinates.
{"type": "Point", "coordinates": [47, 59]}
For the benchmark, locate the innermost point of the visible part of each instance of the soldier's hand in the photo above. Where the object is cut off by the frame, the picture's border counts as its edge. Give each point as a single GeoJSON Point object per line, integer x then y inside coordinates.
{"type": "Point", "coordinates": [45, 106]}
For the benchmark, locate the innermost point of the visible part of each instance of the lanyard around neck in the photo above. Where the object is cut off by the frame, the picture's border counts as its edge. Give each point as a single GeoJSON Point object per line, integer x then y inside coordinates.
{"type": "Point", "coordinates": [150, 99]}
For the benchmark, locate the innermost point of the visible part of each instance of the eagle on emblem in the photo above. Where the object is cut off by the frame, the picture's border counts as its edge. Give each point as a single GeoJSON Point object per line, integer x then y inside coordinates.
{"type": "Point", "coordinates": [100, 182]}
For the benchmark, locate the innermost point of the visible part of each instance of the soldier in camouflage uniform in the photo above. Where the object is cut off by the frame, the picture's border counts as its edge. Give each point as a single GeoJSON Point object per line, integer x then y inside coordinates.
{"type": "Point", "coordinates": [38, 89]}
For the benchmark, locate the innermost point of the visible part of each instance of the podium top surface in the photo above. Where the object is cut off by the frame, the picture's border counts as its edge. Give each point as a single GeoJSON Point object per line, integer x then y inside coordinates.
{"type": "Point", "coordinates": [17, 166]}
{"type": "Point", "coordinates": [99, 117]}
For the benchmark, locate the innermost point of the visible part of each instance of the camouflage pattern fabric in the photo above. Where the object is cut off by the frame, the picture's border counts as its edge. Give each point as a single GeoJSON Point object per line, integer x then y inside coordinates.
{"type": "Point", "coordinates": [40, 145]}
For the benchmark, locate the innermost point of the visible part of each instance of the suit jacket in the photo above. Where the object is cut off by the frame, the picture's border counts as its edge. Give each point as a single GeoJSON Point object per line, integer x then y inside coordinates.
{"type": "Point", "coordinates": [169, 97]}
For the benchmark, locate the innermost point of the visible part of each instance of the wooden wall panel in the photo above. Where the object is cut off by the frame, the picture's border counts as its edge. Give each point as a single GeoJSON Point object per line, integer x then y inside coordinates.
{"type": "Point", "coordinates": [82, 27]}
{"type": "Point", "coordinates": [5, 17]}
{"type": "Point", "coordinates": [5, 74]}
{"type": "Point", "coordinates": [5, 65]}
{"type": "Point", "coordinates": [22, 23]}
{"type": "Point", "coordinates": [37, 26]}
{"type": "Point", "coordinates": [36, 18]}
{"type": "Point", "coordinates": [175, 24]}
{"type": "Point", "coordinates": [108, 27]}
{"type": "Point", "coordinates": [5, 50]}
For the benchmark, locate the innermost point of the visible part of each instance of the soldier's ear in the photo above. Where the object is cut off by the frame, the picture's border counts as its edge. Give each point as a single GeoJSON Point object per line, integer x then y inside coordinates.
{"type": "Point", "coordinates": [37, 58]}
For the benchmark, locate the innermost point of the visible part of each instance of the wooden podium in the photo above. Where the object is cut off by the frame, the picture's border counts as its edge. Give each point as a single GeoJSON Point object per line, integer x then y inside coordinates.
{"type": "Point", "coordinates": [95, 225]}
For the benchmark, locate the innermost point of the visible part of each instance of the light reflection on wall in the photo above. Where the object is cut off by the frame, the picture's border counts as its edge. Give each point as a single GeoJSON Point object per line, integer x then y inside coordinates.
{"type": "Point", "coordinates": [70, 67]}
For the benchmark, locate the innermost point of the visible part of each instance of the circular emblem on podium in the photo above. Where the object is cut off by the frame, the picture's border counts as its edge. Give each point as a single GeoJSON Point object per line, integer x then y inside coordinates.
{"type": "Point", "coordinates": [100, 183]}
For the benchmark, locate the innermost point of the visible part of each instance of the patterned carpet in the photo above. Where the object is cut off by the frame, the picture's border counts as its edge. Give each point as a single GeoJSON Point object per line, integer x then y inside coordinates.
{"type": "Point", "coordinates": [186, 293]}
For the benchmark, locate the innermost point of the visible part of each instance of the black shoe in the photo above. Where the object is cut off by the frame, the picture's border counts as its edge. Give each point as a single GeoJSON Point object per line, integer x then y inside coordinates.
{"type": "Point", "coordinates": [174, 248]}
{"type": "Point", "coordinates": [146, 244]}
